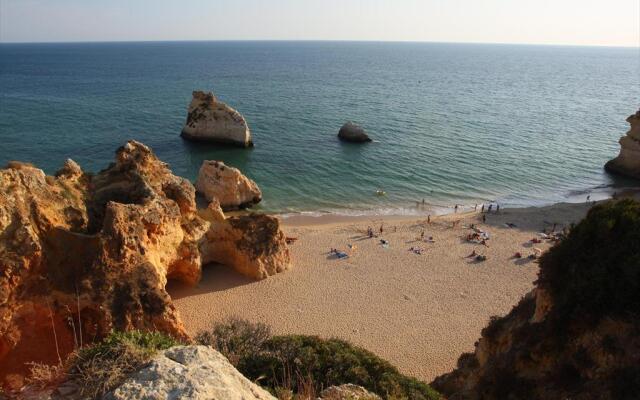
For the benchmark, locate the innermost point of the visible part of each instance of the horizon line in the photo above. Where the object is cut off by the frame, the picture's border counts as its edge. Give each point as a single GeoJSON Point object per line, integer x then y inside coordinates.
{"type": "Point", "coordinates": [318, 40]}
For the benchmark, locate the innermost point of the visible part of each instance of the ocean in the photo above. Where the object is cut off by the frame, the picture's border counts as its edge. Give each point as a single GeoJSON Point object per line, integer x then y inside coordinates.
{"type": "Point", "coordinates": [452, 123]}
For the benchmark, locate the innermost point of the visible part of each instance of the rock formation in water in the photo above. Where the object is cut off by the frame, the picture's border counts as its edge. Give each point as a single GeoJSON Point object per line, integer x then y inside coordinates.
{"type": "Point", "coordinates": [577, 335]}
{"type": "Point", "coordinates": [83, 254]}
{"type": "Point", "coordinates": [253, 244]}
{"type": "Point", "coordinates": [210, 120]}
{"type": "Point", "coordinates": [351, 132]}
{"type": "Point", "coordinates": [628, 161]}
{"type": "Point", "coordinates": [227, 185]}
{"type": "Point", "coordinates": [190, 373]}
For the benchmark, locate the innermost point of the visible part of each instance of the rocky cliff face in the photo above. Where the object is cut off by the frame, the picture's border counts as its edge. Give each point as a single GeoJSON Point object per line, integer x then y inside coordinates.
{"type": "Point", "coordinates": [83, 254]}
{"type": "Point", "coordinates": [227, 185]}
{"type": "Point", "coordinates": [577, 335]}
{"type": "Point", "coordinates": [252, 244]}
{"type": "Point", "coordinates": [628, 161]}
{"type": "Point", "coordinates": [210, 120]}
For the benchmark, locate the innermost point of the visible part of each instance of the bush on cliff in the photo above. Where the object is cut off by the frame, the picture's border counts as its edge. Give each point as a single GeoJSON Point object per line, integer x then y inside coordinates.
{"type": "Point", "coordinates": [578, 271]}
{"type": "Point", "coordinates": [296, 362]}
{"type": "Point", "coordinates": [104, 365]}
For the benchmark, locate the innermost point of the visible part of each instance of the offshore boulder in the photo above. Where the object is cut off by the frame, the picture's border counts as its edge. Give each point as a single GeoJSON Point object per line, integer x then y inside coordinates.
{"type": "Point", "coordinates": [210, 120]}
{"type": "Point", "coordinates": [353, 133]}
{"type": "Point", "coordinates": [628, 161]}
{"type": "Point", "coordinates": [227, 185]}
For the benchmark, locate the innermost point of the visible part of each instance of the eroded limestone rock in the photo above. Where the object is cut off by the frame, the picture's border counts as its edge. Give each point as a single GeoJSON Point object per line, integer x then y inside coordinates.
{"type": "Point", "coordinates": [190, 373]}
{"type": "Point", "coordinates": [628, 161]}
{"type": "Point", "coordinates": [210, 120]}
{"type": "Point", "coordinates": [227, 185]}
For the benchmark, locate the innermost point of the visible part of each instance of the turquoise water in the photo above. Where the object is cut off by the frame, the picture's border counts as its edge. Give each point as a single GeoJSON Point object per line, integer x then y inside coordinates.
{"type": "Point", "coordinates": [452, 123]}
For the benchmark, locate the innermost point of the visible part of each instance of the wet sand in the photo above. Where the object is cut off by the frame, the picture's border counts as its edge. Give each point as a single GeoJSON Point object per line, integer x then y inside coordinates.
{"type": "Point", "coordinates": [420, 312]}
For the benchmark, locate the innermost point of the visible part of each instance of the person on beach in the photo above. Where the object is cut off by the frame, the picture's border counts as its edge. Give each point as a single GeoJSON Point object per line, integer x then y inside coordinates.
{"type": "Point", "coordinates": [490, 208]}
{"type": "Point", "coordinates": [498, 209]}
{"type": "Point", "coordinates": [381, 229]}
{"type": "Point", "coordinates": [422, 236]}
{"type": "Point", "coordinates": [370, 232]}
{"type": "Point", "coordinates": [482, 209]}
{"type": "Point", "coordinates": [475, 208]}
{"type": "Point", "coordinates": [429, 219]}
{"type": "Point", "coordinates": [455, 209]}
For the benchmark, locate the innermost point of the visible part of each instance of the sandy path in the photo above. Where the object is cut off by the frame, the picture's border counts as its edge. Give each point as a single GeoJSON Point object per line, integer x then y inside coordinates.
{"type": "Point", "coordinates": [420, 312]}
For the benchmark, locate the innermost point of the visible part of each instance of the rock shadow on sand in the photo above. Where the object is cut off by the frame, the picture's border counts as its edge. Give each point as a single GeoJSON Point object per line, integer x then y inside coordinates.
{"type": "Point", "coordinates": [215, 278]}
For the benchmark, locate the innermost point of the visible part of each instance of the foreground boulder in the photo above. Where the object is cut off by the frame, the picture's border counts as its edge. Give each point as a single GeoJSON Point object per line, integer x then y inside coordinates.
{"type": "Point", "coordinates": [351, 132]}
{"type": "Point", "coordinates": [82, 255]}
{"type": "Point", "coordinates": [210, 120]}
{"type": "Point", "coordinates": [227, 185]}
{"type": "Point", "coordinates": [628, 161]}
{"type": "Point", "coordinates": [191, 373]}
{"type": "Point", "coordinates": [348, 392]}
{"type": "Point", "coordinates": [577, 335]}
{"type": "Point", "coordinates": [253, 245]}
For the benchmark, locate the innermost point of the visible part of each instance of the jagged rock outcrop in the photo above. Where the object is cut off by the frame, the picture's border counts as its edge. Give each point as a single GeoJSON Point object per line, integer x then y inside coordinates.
{"type": "Point", "coordinates": [628, 161]}
{"type": "Point", "coordinates": [227, 185]}
{"type": "Point", "coordinates": [210, 120]}
{"type": "Point", "coordinates": [348, 392]}
{"type": "Point", "coordinates": [351, 132]}
{"type": "Point", "coordinates": [82, 254]}
{"type": "Point", "coordinates": [190, 373]}
{"type": "Point", "coordinates": [577, 335]}
{"type": "Point", "coordinates": [252, 244]}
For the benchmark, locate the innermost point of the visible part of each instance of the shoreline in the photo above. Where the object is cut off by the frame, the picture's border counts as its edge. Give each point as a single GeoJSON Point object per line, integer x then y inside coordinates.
{"type": "Point", "coordinates": [423, 211]}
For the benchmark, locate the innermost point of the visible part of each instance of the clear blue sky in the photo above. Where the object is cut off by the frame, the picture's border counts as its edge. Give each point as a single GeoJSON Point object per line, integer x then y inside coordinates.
{"type": "Point", "coordinates": [580, 22]}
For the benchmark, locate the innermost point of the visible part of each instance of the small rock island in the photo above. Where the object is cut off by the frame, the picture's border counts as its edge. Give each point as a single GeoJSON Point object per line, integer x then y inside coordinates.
{"type": "Point", "coordinates": [210, 120]}
{"type": "Point", "coordinates": [227, 185]}
{"type": "Point", "coordinates": [628, 161]}
{"type": "Point", "coordinates": [353, 133]}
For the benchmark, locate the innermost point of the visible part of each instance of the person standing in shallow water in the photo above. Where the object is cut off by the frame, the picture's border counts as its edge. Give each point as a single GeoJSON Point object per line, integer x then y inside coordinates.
{"type": "Point", "coordinates": [482, 209]}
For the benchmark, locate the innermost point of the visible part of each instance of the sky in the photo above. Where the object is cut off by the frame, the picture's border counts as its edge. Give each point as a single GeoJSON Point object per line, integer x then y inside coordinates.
{"type": "Point", "coordinates": [569, 22]}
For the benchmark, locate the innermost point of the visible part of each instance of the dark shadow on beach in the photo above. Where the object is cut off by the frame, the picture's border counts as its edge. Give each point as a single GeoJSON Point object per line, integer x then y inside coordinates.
{"type": "Point", "coordinates": [215, 278]}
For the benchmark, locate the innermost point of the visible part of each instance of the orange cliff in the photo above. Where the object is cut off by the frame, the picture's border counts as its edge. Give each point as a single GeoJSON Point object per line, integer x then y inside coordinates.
{"type": "Point", "coordinates": [83, 254]}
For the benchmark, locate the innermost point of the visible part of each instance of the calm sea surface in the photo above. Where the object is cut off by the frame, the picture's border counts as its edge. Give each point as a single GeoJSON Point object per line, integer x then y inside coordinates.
{"type": "Point", "coordinates": [452, 122]}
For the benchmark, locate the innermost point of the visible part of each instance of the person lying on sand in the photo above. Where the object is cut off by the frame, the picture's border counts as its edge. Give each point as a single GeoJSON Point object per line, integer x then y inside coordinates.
{"type": "Point", "coordinates": [481, 258]}
{"type": "Point", "coordinates": [517, 255]}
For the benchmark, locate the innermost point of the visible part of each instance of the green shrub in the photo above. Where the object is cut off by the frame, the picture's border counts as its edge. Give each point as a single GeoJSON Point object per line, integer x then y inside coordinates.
{"type": "Point", "coordinates": [102, 366]}
{"type": "Point", "coordinates": [595, 271]}
{"type": "Point", "coordinates": [236, 339]}
{"type": "Point", "coordinates": [295, 362]}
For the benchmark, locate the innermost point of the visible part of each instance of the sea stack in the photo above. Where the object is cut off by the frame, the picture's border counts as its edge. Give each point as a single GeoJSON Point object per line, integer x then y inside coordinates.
{"type": "Point", "coordinates": [628, 161]}
{"type": "Point", "coordinates": [227, 185]}
{"type": "Point", "coordinates": [353, 133]}
{"type": "Point", "coordinates": [210, 120]}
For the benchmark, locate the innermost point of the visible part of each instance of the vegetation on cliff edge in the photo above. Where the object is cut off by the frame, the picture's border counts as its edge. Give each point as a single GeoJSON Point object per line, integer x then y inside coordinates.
{"type": "Point", "coordinates": [308, 363]}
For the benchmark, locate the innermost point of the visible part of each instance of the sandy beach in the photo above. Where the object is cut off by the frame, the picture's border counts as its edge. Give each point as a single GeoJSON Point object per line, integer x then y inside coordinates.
{"type": "Point", "coordinates": [419, 311]}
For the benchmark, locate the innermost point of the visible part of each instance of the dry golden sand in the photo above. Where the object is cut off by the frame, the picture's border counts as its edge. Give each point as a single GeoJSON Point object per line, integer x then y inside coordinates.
{"type": "Point", "coordinates": [420, 312]}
